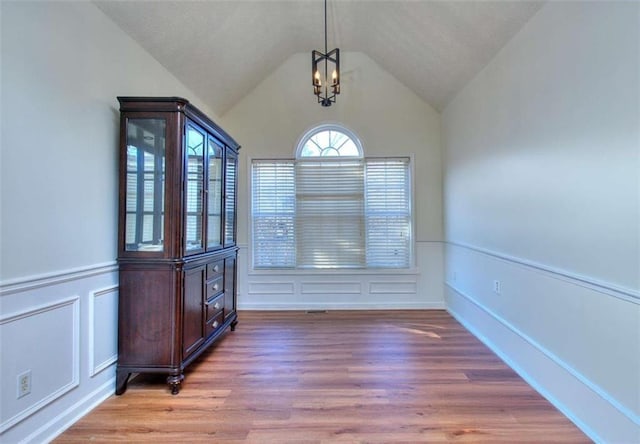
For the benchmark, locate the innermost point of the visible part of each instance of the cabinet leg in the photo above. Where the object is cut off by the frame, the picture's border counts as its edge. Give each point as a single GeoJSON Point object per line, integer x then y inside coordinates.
{"type": "Point", "coordinates": [233, 325]}
{"type": "Point", "coordinates": [174, 382]}
{"type": "Point", "coordinates": [121, 381]}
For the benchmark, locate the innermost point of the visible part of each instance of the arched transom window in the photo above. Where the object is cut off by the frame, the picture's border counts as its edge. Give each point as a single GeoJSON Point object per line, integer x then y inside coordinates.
{"type": "Point", "coordinates": [329, 141]}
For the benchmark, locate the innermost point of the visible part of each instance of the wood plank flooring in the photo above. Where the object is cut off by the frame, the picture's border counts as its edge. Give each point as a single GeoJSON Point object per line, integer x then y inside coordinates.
{"type": "Point", "coordinates": [343, 376]}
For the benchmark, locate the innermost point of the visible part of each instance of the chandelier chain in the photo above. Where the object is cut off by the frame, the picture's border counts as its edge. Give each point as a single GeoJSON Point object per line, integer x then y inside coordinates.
{"type": "Point", "coordinates": [325, 26]}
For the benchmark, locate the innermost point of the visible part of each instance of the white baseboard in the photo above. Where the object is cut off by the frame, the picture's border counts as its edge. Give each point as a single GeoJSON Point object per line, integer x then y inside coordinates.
{"type": "Point", "coordinates": [591, 409]}
{"type": "Point", "coordinates": [346, 306]}
{"type": "Point", "coordinates": [54, 428]}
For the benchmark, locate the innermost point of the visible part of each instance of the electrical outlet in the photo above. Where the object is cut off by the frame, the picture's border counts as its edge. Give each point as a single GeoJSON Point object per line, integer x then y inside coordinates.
{"type": "Point", "coordinates": [24, 384]}
{"type": "Point", "coordinates": [497, 287]}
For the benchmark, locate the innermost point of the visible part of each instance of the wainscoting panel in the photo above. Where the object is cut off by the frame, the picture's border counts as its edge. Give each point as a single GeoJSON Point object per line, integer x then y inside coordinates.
{"type": "Point", "coordinates": [271, 288]}
{"type": "Point", "coordinates": [103, 321]}
{"type": "Point", "coordinates": [330, 288]}
{"type": "Point", "coordinates": [416, 288]}
{"type": "Point", "coordinates": [62, 328]}
{"type": "Point", "coordinates": [48, 355]}
{"type": "Point", "coordinates": [577, 342]}
{"type": "Point", "coordinates": [393, 288]}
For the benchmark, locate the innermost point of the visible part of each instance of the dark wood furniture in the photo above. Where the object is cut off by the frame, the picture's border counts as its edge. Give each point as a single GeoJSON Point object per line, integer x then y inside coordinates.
{"type": "Point", "coordinates": [177, 236]}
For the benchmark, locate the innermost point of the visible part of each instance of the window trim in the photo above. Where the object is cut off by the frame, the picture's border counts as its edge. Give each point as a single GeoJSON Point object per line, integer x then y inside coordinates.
{"type": "Point", "coordinates": [412, 269]}
{"type": "Point", "coordinates": [327, 127]}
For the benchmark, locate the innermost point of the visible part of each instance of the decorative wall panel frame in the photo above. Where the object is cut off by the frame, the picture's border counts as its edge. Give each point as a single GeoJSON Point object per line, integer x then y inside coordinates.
{"type": "Point", "coordinates": [74, 377]}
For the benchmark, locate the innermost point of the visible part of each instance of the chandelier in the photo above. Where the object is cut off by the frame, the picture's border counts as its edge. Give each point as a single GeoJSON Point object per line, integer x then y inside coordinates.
{"type": "Point", "coordinates": [322, 65]}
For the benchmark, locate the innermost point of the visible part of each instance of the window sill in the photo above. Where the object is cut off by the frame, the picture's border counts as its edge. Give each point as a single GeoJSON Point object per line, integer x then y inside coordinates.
{"type": "Point", "coordinates": [333, 272]}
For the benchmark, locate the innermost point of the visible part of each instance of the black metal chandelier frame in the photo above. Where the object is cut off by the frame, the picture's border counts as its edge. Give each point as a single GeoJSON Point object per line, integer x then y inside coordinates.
{"type": "Point", "coordinates": [326, 91]}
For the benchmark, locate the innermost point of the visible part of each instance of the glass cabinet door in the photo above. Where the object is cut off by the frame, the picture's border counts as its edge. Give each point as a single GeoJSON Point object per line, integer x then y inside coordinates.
{"type": "Point", "coordinates": [194, 189]}
{"type": "Point", "coordinates": [145, 178]}
{"type": "Point", "coordinates": [214, 193]}
{"type": "Point", "coordinates": [230, 198]}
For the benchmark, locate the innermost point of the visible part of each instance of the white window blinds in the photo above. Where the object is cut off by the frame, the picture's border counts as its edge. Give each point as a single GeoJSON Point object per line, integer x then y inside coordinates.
{"type": "Point", "coordinates": [342, 213]}
{"type": "Point", "coordinates": [273, 209]}
{"type": "Point", "coordinates": [329, 214]}
{"type": "Point", "coordinates": [388, 212]}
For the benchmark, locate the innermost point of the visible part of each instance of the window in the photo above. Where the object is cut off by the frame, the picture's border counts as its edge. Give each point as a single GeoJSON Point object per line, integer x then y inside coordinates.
{"type": "Point", "coordinates": [329, 141]}
{"type": "Point", "coordinates": [331, 207]}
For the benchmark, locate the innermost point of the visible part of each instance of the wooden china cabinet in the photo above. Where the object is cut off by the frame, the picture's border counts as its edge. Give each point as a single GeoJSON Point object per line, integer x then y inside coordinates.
{"type": "Point", "coordinates": [177, 236]}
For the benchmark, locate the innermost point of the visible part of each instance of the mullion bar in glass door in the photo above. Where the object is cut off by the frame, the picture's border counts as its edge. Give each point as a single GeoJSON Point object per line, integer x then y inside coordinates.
{"type": "Point", "coordinates": [214, 199]}
{"type": "Point", "coordinates": [195, 190]}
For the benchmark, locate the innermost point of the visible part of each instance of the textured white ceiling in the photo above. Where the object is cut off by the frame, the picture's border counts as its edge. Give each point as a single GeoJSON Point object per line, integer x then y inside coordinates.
{"type": "Point", "coordinates": [222, 49]}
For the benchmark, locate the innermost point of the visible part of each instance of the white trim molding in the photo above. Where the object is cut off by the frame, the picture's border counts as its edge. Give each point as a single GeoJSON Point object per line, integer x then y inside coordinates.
{"type": "Point", "coordinates": [627, 294]}
{"type": "Point", "coordinates": [97, 367]}
{"type": "Point", "coordinates": [54, 278]}
{"type": "Point", "coordinates": [397, 287]}
{"type": "Point", "coordinates": [271, 287]}
{"type": "Point", "coordinates": [61, 422]}
{"type": "Point", "coordinates": [520, 351]}
{"type": "Point", "coordinates": [572, 338]}
{"type": "Point", "coordinates": [69, 377]}
{"type": "Point", "coordinates": [74, 376]}
{"type": "Point", "coordinates": [362, 289]}
{"type": "Point", "coordinates": [311, 306]}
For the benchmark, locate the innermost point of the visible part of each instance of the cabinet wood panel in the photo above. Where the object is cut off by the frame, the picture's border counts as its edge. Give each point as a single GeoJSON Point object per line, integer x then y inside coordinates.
{"type": "Point", "coordinates": [193, 331]}
{"type": "Point", "coordinates": [230, 286]}
{"type": "Point", "coordinates": [149, 323]}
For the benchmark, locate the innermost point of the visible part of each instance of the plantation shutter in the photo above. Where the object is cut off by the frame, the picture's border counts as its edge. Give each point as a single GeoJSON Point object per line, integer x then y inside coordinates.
{"type": "Point", "coordinates": [388, 212]}
{"type": "Point", "coordinates": [273, 210]}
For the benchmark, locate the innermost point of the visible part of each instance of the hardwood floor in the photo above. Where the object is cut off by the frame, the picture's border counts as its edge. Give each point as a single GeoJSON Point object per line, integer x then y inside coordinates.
{"type": "Point", "coordinates": [344, 376]}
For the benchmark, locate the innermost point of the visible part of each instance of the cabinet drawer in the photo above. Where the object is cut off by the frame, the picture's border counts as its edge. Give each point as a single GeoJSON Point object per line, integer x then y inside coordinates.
{"type": "Point", "coordinates": [214, 306]}
{"type": "Point", "coordinates": [214, 324]}
{"type": "Point", "coordinates": [215, 287]}
{"type": "Point", "coordinates": [214, 269]}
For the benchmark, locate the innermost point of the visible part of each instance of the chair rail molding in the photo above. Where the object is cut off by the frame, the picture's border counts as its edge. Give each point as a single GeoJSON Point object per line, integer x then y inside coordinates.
{"type": "Point", "coordinates": [627, 294]}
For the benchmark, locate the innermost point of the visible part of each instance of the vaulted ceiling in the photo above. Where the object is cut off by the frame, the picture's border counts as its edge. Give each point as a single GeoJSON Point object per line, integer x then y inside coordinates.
{"type": "Point", "coordinates": [222, 49]}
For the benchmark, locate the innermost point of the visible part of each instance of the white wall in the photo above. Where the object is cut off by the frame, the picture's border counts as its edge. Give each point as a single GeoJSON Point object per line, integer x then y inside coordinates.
{"type": "Point", "coordinates": [542, 193]}
{"type": "Point", "coordinates": [63, 64]}
{"type": "Point", "coordinates": [389, 120]}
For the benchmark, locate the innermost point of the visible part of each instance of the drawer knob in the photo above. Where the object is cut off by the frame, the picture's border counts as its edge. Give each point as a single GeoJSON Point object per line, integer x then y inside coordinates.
{"type": "Point", "coordinates": [216, 305]}
{"type": "Point", "coordinates": [216, 268]}
{"type": "Point", "coordinates": [215, 324]}
{"type": "Point", "coordinates": [215, 287]}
